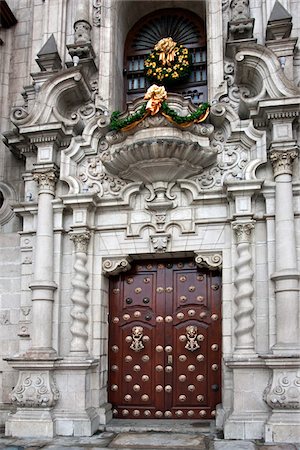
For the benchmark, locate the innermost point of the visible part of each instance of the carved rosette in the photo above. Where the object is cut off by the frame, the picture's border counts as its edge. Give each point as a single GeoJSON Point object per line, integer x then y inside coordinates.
{"type": "Point", "coordinates": [116, 265]}
{"type": "Point", "coordinates": [244, 288]}
{"type": "Point", "coordinates": [282, 161]}
{"type": "Point", "coordinates": [79, 294]}
{"type": "Point", "coordinates": [283, 392]}
{"type": "Point", "coordinates": [209, 260]}
{"type": "Point", "coordinates": [35, 390]}
{"type": "Point", "coordinates": [46, 181]}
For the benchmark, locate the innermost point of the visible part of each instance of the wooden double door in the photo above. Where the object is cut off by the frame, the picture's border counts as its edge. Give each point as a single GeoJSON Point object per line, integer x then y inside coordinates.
{"type": "Point", "coordinates": [165, 341]}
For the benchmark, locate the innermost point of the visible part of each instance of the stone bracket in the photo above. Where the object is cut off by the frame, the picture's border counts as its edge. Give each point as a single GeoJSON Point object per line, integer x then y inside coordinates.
{"type": "Point", "coordinates": [210, 260]}
{"type": "Point", "coordinates": [116, 264]}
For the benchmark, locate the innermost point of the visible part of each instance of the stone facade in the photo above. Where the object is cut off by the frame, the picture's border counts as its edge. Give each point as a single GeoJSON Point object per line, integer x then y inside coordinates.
{"type": "Point", "coordinates": [79, 203]}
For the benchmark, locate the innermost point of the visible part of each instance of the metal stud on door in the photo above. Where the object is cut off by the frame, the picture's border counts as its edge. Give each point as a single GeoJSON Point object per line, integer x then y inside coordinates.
{"type": "Point", "coordinates": [165, 341]}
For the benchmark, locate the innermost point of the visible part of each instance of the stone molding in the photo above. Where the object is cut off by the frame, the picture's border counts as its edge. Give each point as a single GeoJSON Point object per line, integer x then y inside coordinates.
{"type": "Point", "coordinates": [283, 391]}
{"type": "Point", "coordinates": [211, 260]}
{"type": "Point", "coordinates": [35, 390]}
{"type": "Point", "coordinates": [282, 161]}
{"type": "Point", "coordinates": [116, 264]}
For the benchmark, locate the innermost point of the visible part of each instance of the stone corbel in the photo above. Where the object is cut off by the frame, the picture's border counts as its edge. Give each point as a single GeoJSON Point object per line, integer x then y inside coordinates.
{"type": "Point", "coordinates": [116, 264]}
{"type": "Point", "coordinates": [160, 242]}
{"type": "Point", "coordinates": [212, 260]}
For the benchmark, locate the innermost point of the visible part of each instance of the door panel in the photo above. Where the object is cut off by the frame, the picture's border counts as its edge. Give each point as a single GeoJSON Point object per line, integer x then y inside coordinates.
{"type": "Point", "coordinates": [165, 341]}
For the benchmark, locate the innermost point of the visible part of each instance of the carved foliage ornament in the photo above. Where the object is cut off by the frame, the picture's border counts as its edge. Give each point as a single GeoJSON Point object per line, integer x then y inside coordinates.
{"type": "Point", "coordinates": [45, 180]}
{"type": "Point", "coordinates": [210, 260]}
{"type": "Point", "coordinates": [35, 389]}
{"type": "Point", "coordinates": [81, 241]}
{"type": "Point", "coordinates": [284, 391]}
{"type": "Point", "coordinates": [243, 231]}
{"type": "Point", "coordinates": [282, 161]}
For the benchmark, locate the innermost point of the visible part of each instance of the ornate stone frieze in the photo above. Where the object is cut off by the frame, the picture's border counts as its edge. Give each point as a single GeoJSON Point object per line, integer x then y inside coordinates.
{"type": "Point", "coordinates": [244, 289]}
{"type": "Point", "coordinates": [46, 181]}
{"type": "Point", "coordinates": [35, 390]}
{"type": "Point", "coordinates": [210, 260]}
{"type": "Point", "coordinates": [116, 264]}
{"type": "Point", "coordinates": [79, 294]}
{"type": "Point", "coordinates": [97, 13]}
{"type": "Point", "coordinates": [282, 161]}
{"type": "Point", "coordinates": [283, 391]}
{"type": "Point", "coordinates": [160, 242]}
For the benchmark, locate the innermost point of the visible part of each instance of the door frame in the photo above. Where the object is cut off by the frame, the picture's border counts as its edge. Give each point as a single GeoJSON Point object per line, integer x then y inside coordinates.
{"type": "Point", "coordinates": [212, 260]}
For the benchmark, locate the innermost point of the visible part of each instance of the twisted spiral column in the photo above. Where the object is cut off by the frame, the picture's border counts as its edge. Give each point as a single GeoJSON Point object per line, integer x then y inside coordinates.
{"type": "Point", "coordinates": [78, 330]}
{"type": "Point", "coordinates": [244, 289]}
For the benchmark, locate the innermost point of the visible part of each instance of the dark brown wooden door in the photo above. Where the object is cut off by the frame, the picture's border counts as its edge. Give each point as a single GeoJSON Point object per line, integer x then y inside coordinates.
{"type": "Point", "coordinates": [165, 341]}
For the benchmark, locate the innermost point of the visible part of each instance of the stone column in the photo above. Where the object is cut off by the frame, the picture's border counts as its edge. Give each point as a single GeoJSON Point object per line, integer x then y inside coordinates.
{"type": "Point", "coordinates": [283, 391]}
{"type": "Point", "coordinates": [244, 289]}
{"type": "Point", "coordinates": [78, 347]}
{"type": "Point", "coordinates": [286, 276]}
{"type": "Point", "coordinates": [43, 285]}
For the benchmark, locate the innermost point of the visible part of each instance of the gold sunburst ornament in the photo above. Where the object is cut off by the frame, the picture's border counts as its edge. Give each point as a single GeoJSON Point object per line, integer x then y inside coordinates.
{"type": "Point", "coordinates": [168, 63]}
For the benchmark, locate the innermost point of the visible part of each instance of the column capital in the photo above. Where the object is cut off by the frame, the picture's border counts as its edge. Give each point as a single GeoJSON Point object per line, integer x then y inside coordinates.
{"type": "Point", "coordinates": [46, 179]}
{"type": "Point", "coordinates": [243, 231]}
{"type": "Point", "coordinates": [282, 160]}
{"type": "Point", "coordinates": [81, 240]}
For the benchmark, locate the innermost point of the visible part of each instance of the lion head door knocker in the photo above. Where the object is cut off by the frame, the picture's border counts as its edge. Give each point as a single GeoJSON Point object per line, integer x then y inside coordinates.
{"type": "Point", "coordinates": [137, 336]}
{"type": "Point", "coordinates": [192, 335]}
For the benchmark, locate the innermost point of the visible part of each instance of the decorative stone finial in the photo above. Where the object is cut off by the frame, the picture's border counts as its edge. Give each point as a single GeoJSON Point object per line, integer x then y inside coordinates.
{"type": "Point", "coordinates": [48, 57]}
{"type": "Point", "coordinates": [280, 23]}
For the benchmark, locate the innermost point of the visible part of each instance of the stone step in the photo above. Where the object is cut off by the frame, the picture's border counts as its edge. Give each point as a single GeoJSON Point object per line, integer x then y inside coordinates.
{"type": "Point", "coordinates": [205, 427]}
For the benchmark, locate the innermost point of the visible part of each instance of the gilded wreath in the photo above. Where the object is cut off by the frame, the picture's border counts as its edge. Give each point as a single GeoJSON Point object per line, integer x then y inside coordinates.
{"type": "Point", "coordinates": [169, 62]}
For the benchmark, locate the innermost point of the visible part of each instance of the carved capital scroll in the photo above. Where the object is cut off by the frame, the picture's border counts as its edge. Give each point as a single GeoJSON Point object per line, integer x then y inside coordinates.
{"type": "Point", "coordinates": [210, 260]}
{"type": "Point", "coordinates": [46, 181]}
{"type": "Point", "coordinates": [243, 231]}
{"type": "Point", "coordinates": [116, 264]}
{"type": "Point", "coordinates": [282, 161]}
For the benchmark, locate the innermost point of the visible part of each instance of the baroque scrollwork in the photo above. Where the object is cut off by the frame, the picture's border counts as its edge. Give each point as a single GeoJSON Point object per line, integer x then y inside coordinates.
{"type": "Point", "coordinates": [283, 390]}
{"type": "Point", "coordinates": [231, 162]}
{"type": "Point", "coordinates": [210, 260]}
{"type": "Point", "coordinates": [116, 265]}
{"type": "Point", "coordinates": [96, 179]}
{"type": "Point", "coordinates": [35, 389]}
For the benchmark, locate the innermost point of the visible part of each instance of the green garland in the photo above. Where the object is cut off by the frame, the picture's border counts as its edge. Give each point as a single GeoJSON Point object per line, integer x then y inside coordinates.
{"type": "Point", "coordinates": [184, 119]}
{"type": "Point", "coordinates": [117, 124]}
